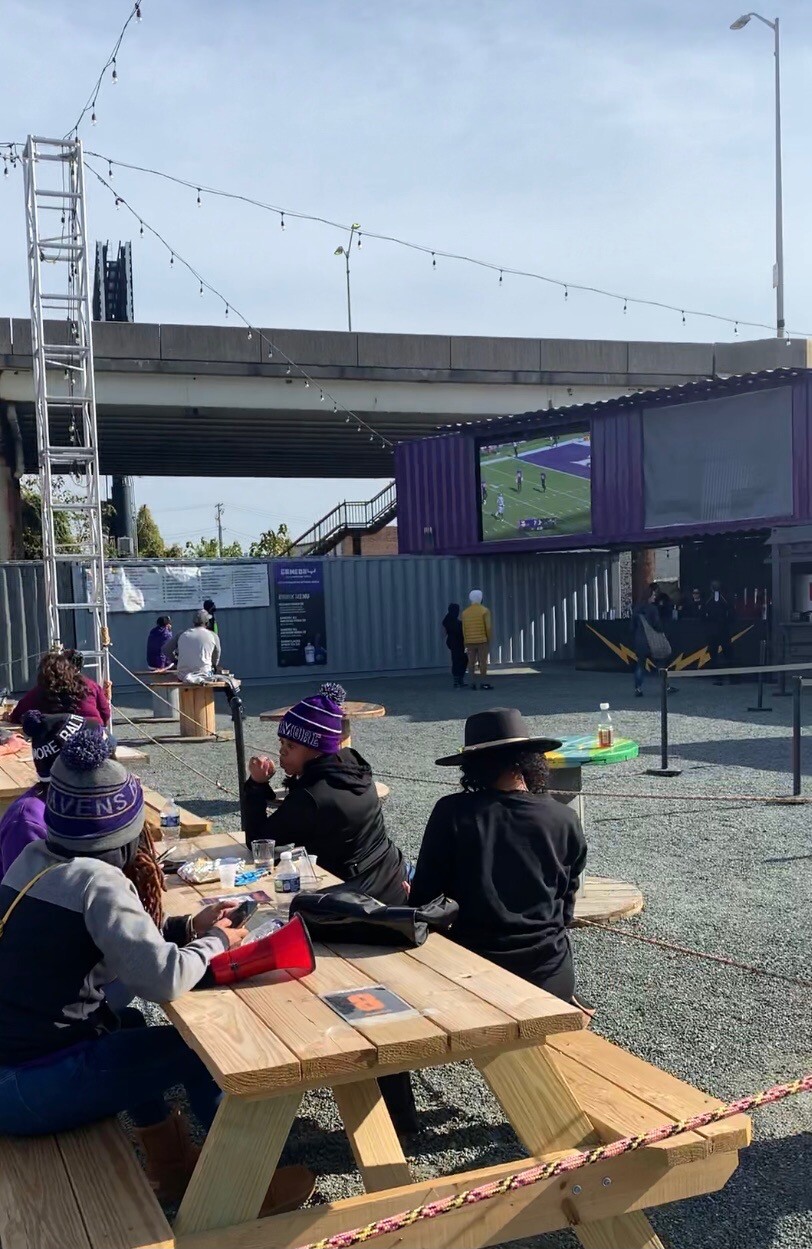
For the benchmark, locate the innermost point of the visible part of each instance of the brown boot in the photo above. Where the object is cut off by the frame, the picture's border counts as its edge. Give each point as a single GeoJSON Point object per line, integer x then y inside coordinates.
{"type": "Point", "coordinates": [289, 1189]}
{"type": "Point", "coordinates": [170, 1156]}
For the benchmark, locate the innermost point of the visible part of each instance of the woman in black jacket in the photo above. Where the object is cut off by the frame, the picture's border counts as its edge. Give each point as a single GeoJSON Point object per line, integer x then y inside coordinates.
{"type": "Point", "coordinates": [456, 644]}
{"type": "Point", "coordinates": [332, 808]}
{"type": "Point", "coordinates": [509, 854]}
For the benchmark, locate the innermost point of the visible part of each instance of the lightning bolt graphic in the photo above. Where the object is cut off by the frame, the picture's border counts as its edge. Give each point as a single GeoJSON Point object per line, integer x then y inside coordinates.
{"type": "Point", "coordinates": [701, 657]}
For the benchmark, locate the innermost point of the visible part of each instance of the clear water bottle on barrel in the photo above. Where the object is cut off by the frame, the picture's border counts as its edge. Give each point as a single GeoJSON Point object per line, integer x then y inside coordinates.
{"type": "Point", "coordinates": [606, 729]}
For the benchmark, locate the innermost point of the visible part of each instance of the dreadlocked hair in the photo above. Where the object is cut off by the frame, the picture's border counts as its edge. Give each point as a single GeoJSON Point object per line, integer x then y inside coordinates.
{"type": "Point", "coordinates": [147, 875]}
{"type": "Point", "coordinates": [482, 771]}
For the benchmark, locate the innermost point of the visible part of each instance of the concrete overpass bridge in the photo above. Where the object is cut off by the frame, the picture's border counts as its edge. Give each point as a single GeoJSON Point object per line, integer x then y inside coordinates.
{"type": "Point", "coordinates": [189, 400]}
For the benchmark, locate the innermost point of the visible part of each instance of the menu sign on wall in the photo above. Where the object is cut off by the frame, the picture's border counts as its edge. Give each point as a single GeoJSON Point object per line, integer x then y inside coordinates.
{"type": "Point", "coordinates": [301, 628]}
{"type": "Point", "coordinates": [179, 587]}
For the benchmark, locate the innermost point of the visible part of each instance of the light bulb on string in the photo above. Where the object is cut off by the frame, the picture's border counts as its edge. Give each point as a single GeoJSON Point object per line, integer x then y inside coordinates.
{"type": "Point", "coordinates": [566, 293]}
{"type": "Point", "coordinates": [281, 221]}
{"type": "Point", "coordinates": [199, 201]}
{"type": "Point", "coordinates": [433, 261]}
{"type": "Point", "coordinates": [109, 169]}
{"type": "Point", "coordinates": [172, 260]}
{"type": "Point", "coordinates": [270, 352]}
{"type": "Point", "coordinates": [321, 396]}
{"type": "Point", "coordinates": [226, 309]}
{"type": "Point", "coordinates": [138, 12]}
{"type": "Point", "coordinates": [250, 334]}
{"type": "Point", "coordinates": [359, 242]}
{"type": "Point", "coordinates": [93, 118]}
{"type": "Point", "coordinates": [335, 409]}
{"type": "Point", "coordinates": [114, 75]}
{"type": "Point", "coordinates": [683, 316]}
{"type": "Point", "coordinates": [307, 384]}
{"type": "Point", "coordinates": [346, 420]}
{"type": "Point", "coordinates": [141, 231]}
{"type": "Point", "coordinates": [625, 306]}
{"type": "Point", "coordinates": [500, 277]}
{"type": "Point", "coordinates": [736, 328]}
{"type": "Point", "coordinates": [371, 437]}
{"type": "Point", "coordinates": [200, 292]}
{"type": "Point", "coordinates": [288, 371]}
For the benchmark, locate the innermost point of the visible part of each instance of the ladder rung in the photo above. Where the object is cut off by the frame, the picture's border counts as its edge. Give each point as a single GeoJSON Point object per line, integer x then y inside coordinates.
{"type": "Point", "coordinates": [58, 194]}
{"type": "Point", "coordinates": [65, 348]}
{"type": "Point", "coordinates": [70, 453]}
{"type": "Point", "coordinates": [63, 298]}
{"type": "Point", "coordinates": [73, 507]}
{"type": "Point", "coordinates": [59, 245]}
{"type": "Point", "coordinates": [75, 401]}
{"type": "Point", "coordinates": [78, 606]}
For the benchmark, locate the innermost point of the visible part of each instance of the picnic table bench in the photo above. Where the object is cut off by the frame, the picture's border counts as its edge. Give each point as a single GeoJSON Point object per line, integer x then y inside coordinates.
{"type": "Point", "coordinates": [561, 1087]}
{"type": "Point", "coordinates": [17, 774]}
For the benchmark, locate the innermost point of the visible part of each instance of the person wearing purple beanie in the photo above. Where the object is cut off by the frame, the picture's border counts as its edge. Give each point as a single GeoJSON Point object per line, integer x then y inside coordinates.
{"type": "Point", "coordinates": [332, 808]}
{"type": "Point", "coordinates": [24, 820]}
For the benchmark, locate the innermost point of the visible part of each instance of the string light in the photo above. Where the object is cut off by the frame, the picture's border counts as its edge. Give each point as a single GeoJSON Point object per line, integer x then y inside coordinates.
{"type": "Point", "coordinates": [109, 170]}
{"type": "Point", "coordinates": [683, 316]}
{"type": "Point", "coordinates": [624, 300]}
{"type": "Point", "coordinates": [250, 335]}
{"type": "Point", "coordinates": [307, 384]}
{"type": "Point", "coordinates": [93, 118]}
{"type": "Point", "coordinates": [346, 420]}
{"type": "Point", "coordinates": [736, 328]}
{"type": "Point", "coordinates": [114, 75]}
{"type": "Point", "coordinates": [199, 201]}
{"type": "Point", "coordinates": [335, 409]}
{"type": "Point", "coordinates": [500, 277]}
{"type": "Point", "coordinates": [141, 233]}
{"type": "Point", "coordinates": [290, 366]}
{"type": "Point", "coordinates": [138, 12]}
{"type": "Point", "coordinates": [172, 265]}
{"type": "Point", "coordinates": [270, 353]}
{"type": "Point", "coordinates": [359, 242]}
{"type": "Point", "coordinates": [200, 292]}
{"type": "Point", "coordinates": [111, 64]}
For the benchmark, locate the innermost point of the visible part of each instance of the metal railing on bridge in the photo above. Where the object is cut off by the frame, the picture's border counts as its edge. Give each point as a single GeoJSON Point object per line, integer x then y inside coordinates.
{"type": "Point", "coordinates": [349, 518]}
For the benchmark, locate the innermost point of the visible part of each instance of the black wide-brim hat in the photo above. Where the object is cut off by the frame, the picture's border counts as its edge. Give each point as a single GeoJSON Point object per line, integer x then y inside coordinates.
{"type": "Point", "coordinates": [494, 730]}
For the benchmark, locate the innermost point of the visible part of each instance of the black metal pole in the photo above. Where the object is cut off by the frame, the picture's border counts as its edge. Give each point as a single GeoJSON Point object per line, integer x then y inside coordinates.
{"type": "Point", "coordinates": [796, 736]}
{"type": "Point", "coordinates": [782, 686]}
{"type": "Point", "coordinates": [663, 769]}
{"type": "Point", "coordinates": [235, 703]}
{"type": "Point", "coordinates": [762, 659]}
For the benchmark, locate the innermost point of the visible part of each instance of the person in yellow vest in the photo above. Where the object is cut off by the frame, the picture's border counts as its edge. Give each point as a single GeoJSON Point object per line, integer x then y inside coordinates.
{"type": "Point", "coordinates": [476, 632]}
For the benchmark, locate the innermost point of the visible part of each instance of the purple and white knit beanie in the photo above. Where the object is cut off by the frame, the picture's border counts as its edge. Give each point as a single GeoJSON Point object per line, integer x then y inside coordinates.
{"type": "Point", "coordinates": [316, 721]}
{"type": "Point", "coordinates": [49, 733]}
{"type": "Point", "coordinates": [93, 802]}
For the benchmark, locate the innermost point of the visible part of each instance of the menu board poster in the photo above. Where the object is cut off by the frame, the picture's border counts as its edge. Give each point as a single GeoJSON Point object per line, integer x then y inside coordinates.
{"type": "Point", "coordinates": [301, 627]}
{"type": "Point", "coordinates": [178, 587]}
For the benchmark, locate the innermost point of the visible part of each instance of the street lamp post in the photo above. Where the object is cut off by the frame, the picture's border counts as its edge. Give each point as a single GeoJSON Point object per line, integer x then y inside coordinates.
{"type": "Point", "coordinates": [778, 277]}
{"type": "Point", "coordinates": [345, 252]}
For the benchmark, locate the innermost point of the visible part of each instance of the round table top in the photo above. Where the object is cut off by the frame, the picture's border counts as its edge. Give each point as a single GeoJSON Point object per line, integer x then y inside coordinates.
{"type": "Point", "coordinates": [575, 752]}
{"type": "Point", "coordinates": [601, 898]}
{"type": "Point", "coordinates": [352, 711]}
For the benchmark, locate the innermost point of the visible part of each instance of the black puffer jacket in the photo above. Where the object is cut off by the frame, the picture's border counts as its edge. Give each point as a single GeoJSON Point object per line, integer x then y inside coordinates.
{"type": "Point", "coordinates": [333, 810]}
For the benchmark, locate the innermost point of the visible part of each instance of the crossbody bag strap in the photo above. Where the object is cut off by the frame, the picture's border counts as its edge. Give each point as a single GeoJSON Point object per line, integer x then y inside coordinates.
{"type": "Point", "coordinates": [23, 892]}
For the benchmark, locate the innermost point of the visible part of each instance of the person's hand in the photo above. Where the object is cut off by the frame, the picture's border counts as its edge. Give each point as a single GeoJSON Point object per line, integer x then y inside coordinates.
{"type": "Point", "coordinates": [234, 936]}
{"type": "Point", "coordinates": [206, 919]}
{"type": "Point", "coordinates": [261, 769]}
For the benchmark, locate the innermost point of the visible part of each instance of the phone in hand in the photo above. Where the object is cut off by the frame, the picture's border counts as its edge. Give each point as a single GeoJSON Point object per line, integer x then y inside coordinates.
{"type": "Point", "coordinates": [240, 916]}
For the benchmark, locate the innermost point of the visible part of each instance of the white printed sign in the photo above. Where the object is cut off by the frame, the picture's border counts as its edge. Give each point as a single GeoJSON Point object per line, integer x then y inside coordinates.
{"type": "Point", "coordinates": [177, 587]}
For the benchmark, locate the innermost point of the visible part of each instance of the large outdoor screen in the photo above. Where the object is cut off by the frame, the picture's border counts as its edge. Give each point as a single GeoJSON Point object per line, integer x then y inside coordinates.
{"type": "Point", "coordinates": [721, 459]}
{"type": "Point", "coordinates": [535, 487]}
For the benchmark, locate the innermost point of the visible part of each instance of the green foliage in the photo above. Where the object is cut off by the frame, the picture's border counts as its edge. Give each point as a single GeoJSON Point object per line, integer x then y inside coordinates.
{"type": "Point", "coordinates": [67, 538]}
{"type": "Point", "coordinates": [271, 543]}
{"type": "Point", "coordinates": [150, 543]}
{"type": "Point", "coordinates": [207, 548]}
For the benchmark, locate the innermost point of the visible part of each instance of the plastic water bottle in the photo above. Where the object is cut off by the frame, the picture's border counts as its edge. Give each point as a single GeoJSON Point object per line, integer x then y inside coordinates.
{"type": "Point", "coordinates": [287, 878]}
{"type": "Point", "coordinates": [170, 822]}
{"type": "Point", "coordinates": [606, 729]}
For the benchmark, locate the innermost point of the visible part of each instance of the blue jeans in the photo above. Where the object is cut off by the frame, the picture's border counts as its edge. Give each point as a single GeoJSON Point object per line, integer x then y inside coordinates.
{"type": "Point", "coordinates": [640, 672]}
{"type": "Point", "coordinates": [127, 1071]}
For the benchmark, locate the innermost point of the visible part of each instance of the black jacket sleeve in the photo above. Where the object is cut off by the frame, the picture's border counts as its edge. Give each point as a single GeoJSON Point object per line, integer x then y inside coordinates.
{"type": "Point", "coordinates": [293, 820]}
{"type": "Point", "coordinates": [577, 857]}
{"type": "Point", "coordinates": [435, 862]}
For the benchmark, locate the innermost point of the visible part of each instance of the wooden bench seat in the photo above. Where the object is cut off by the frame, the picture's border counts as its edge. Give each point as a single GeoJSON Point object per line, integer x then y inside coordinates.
{"type": "Point", "coordinates": [78, 1190]}
{"type": "Point", "coordinates": [191, 825]}
{"type": "Point", "coordinates": [623, 1096]}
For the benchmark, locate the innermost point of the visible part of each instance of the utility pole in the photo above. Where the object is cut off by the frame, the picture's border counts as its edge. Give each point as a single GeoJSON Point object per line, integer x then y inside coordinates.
{"type": "Point", "coordinates": [219, 508]}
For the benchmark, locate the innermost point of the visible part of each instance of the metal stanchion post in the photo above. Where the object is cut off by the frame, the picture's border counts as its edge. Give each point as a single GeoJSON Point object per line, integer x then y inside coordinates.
{"type": "Point", "coordinates": [663, 769]}
{"type": "Point", "coordinates": [762, 659]}
{"type": "Point", "coordinates": [783, 692]}
{"type": "Point", "coordinates": [235, 703]}
{"type": "Point", "coordinates": [797, 691]}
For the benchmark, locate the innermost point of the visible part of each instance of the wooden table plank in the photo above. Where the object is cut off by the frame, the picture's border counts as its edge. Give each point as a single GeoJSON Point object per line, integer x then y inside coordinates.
{"type": "Point", "coordinates": [537, 1013]}
{"type": "Point", "coordinates": [243, 1055]}
{"type": "Point", "coordinates": [469, 1022]}
{"type": "Point", "coordinates": [402, 1040]}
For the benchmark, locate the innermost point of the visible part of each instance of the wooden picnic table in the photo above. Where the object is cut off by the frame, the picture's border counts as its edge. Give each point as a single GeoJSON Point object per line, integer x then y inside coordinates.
{"type": "Point", "coordinates": [268, 1040]}
{"type": "Point", "coordinates": [17, 774]}
{"type": "Point", "coordinates": [196, 705]}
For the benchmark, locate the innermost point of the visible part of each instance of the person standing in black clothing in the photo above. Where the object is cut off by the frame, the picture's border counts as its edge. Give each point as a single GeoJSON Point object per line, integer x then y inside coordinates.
{"type": "Point", "coordinates": [719, 615]}
{"type": "Point", "coordinates": [646, 621]}
{"type": "Point", "coordinates": [456, 644]}
{"type": "Point", "coordinates": [506, 852]}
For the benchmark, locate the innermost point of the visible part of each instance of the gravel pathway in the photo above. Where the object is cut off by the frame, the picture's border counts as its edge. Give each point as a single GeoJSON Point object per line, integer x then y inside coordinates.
{"type": "Point", "coordinates": [729, 877]}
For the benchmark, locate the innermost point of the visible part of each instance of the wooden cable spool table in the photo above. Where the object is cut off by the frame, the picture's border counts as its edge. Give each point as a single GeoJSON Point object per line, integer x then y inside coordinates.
{"type": "Point", "coordinates": [268, 1040]}
{"type": "Point", "coordinates": [198, 722]}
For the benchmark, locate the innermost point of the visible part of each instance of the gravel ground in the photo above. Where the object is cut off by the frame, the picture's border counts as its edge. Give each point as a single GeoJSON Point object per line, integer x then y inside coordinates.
{"type": "Point", "coordinates": [727, 877]}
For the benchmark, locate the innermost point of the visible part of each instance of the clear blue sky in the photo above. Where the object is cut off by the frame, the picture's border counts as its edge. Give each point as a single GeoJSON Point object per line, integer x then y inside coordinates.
{"type": "Point", "coordinates": [626, 145]}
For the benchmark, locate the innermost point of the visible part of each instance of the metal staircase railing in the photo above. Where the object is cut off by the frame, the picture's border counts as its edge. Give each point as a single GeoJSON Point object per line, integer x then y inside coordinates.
{"type": "Point", "coordinates": [358, 517]}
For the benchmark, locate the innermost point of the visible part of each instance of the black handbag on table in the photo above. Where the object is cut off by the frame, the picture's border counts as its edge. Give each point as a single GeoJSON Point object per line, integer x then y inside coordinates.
{"type": "Point", "coordinates": [340, 914]}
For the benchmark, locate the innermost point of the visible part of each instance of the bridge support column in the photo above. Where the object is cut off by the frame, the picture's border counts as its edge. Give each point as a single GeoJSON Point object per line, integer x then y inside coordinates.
{"type": "Point", "coordinates": [11, 468]}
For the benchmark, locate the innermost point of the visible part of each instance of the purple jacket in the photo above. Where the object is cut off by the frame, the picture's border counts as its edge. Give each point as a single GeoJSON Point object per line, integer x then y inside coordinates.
{"type": "Point", "coordinates": [24, 821]}
{"type": "Point", "coordinates": [157, 638]}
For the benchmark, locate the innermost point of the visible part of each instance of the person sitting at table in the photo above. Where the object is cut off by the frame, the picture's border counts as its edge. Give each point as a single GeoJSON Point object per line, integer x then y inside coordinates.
{"type": "Point", "coordinates": [507, 852]}
{"type": "Point", "coordinates": [197, 650]}
{"type": "Point", "coordinates": [71, 921]}
{"type": "Point", "coordinates": [332, 808]}
{"type": "Point", "coordinates": [158, 638]}
{"type": "Point", "coordinates": [24, 820]}
{"type": "Point", "coordinates": [62, 689]}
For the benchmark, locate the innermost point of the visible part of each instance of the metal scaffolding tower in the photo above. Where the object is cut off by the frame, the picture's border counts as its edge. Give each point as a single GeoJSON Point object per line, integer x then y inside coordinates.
{"type": "Point", "coordinates": [64, 390]}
